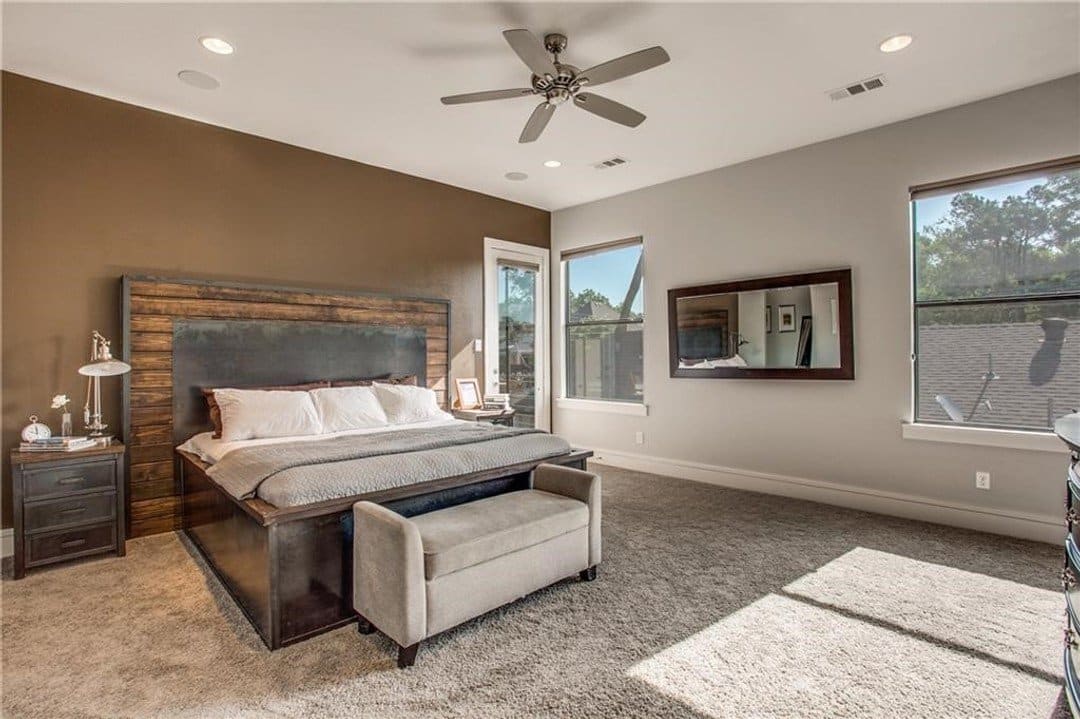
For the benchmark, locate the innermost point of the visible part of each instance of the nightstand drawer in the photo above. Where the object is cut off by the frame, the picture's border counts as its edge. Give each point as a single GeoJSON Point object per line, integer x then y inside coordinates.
{"type": "Point", "coordinates": [80, 509]}
{"type": "Point", "coordinates": [58, 481]}
{"type": "Point", "coordinates": [44, 548]}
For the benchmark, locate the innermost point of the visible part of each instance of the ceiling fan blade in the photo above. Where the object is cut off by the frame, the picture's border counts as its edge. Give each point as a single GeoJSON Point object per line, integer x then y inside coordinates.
{"type": "Point", "coordinates": [531, 51]}
{"type": "Point", "coordinates": [487, 95]}
{"type": "Point", "coordinates": [624, 66]}
{"type": "Point", "coordinates": [609, 109]}
{"type": "Point", "coordinates": [538, 120]}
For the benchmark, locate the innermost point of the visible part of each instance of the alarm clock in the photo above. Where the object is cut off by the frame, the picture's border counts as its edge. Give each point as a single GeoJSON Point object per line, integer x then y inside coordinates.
{"type": "Point", "coordinates": [35, 430]}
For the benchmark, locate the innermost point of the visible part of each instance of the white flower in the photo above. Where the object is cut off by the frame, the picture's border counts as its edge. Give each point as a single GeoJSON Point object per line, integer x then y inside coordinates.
{"type": "Point", "coordinates": [60, 401]}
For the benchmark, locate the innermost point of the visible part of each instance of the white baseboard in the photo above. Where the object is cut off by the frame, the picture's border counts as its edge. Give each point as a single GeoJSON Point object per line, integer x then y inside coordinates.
{"type": "Point", "coordinates": [7, 542]}
{"type": "Point", "coordinates": [1042, 528]}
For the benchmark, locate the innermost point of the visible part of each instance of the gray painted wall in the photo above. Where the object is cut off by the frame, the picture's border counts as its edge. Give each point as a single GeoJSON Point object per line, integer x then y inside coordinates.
{"type": "Point", "coordinates": [834, 204]}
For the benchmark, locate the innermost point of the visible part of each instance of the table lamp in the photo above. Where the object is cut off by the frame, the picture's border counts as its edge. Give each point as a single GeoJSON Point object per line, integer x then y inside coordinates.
{"type": "Point", "coordinates": [101, 365]}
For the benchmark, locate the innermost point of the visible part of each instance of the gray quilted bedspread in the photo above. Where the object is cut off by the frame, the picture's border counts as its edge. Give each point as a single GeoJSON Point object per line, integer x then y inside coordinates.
{"type": "Point", "coordinates": [296, 473]}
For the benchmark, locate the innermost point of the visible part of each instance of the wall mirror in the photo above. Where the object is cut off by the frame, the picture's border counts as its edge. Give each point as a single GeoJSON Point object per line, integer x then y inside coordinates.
{"type": "Point", "coordinates": [782, 327]}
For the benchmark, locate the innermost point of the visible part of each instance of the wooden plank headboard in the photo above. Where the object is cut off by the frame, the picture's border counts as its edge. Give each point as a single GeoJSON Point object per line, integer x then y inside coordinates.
{"type": "Point", "coordinates": [155, 307]}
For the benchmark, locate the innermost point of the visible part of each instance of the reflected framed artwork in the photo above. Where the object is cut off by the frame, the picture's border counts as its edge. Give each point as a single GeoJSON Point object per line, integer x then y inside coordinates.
{"type": "Point", "coordinates": [786, 318]}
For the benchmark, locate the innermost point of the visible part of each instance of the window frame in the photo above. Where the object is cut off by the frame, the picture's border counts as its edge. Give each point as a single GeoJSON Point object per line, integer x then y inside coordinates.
{"type": "Point", "coordinates": [566, 400]}
{"type": "Point", "coordinates": [957, 185]}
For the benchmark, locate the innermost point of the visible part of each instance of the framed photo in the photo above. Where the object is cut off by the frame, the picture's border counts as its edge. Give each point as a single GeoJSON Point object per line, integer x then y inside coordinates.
{"type": "Point", "coordinates": [768, 319]}
{"type": "Point", "coordinates": [468, 393]}
{"type": "Point", "coordinates": [786, 318]}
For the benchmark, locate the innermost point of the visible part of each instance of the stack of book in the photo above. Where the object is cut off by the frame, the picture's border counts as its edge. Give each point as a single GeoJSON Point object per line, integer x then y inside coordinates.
{"type": "Point", "coordinates": [58, 444]}
{"type": "Point", "coordinates": [496, 401]}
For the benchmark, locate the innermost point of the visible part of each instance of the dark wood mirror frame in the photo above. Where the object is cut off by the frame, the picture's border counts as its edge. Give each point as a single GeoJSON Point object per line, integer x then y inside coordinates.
{"type": "Point", "coordinates": [846, 370]}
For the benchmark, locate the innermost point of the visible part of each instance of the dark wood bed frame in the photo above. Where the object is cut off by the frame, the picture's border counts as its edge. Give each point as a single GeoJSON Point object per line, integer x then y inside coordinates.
{"type": "Point", "coordinates": [288, 569]}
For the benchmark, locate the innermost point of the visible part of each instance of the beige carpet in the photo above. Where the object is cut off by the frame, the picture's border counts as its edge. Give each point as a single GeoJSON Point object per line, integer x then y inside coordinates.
{"type": "Point", "coordinates": [710, 603]}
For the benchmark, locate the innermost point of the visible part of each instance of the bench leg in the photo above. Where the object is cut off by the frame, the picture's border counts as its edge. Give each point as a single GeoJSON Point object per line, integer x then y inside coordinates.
{"type": "Point", "coordinates": [406, 656]}
{"type": "Point", "coordinates": [364, 626]}
{"type": "Point", "coordinates": [587, 575]}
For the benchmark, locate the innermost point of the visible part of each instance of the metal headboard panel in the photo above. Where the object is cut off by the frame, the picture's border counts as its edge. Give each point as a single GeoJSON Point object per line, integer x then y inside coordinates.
{"type": "Point", "coordinates": [240, 353]}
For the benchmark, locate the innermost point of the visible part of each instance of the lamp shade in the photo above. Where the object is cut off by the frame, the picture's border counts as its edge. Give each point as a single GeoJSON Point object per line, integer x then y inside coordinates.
{"type": "Point", "coordinates": [104, 368]}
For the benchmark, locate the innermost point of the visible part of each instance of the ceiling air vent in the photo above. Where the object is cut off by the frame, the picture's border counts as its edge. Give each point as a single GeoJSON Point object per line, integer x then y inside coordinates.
{"type": "Point", "coordinates": [610, 162]}
{"type": "Point", "coordinates": [857, 88]}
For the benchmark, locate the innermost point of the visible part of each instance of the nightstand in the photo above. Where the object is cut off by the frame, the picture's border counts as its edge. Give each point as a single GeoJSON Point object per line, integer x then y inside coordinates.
{"type": "Point", "coordinates": [67, 505]}
{"type": "Point", "coordinates": [504, 417]}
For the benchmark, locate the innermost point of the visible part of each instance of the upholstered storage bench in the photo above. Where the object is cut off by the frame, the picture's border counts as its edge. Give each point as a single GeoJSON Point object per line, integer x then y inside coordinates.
{"type": "Point", "coordinates": [415, 577]}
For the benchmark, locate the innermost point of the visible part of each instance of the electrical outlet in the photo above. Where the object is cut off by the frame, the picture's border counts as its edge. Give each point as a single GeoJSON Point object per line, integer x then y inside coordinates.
{"type": "Point", "coordinates": [982, 480]}
{"type": "Point", "coordinates": [639, 438]}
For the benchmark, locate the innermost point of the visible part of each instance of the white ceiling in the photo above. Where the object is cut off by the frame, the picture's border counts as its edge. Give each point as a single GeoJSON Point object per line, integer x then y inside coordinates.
{"type": "Point", "coordinates": [363, 81]}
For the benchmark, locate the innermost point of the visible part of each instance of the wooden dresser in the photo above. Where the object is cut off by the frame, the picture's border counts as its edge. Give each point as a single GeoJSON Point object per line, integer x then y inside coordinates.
{"type": "Point", "coordinates": [67, 505]}
{"type": "Point", "coordinates": [1068, 429]}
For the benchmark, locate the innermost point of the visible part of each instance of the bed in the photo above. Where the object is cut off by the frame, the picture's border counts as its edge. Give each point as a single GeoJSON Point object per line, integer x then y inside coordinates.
{"type": "Point", "coordinates": [287, 567]}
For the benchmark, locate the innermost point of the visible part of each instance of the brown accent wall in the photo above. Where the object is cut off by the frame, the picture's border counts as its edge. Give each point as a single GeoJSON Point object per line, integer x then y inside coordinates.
{"type": "Point", "coordinates": [93, 189]}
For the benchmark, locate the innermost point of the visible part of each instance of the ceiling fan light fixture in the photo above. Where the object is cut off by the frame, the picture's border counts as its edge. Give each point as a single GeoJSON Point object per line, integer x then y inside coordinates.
{"type": "Point", "coordinates": [896, 43]}
{"type": "Point", "coordinates": [552, 163]}
{"type": "Point", "coordinates": [558, 83]}
{"type": "Point", "coordinates": [216, 45]}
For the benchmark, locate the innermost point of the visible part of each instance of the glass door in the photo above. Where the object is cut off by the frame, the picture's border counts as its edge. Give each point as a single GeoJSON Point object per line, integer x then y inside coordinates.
{"type": "Point", "coordinates": [516, 329]}
{"type": "Point", "coordinates": [517, 339]}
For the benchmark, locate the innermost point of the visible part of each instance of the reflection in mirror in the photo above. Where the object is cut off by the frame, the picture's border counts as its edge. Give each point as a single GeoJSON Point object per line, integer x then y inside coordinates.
{"type": "Point", "coordinates": [785, 327]}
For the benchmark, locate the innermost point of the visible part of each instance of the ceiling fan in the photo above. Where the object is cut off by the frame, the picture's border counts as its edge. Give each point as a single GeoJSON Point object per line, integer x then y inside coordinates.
{"type": "Point", "coordinates": [558, 82]}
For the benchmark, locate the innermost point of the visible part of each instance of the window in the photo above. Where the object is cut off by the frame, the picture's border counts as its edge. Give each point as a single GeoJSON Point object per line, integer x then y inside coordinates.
{"type": "Point", "coordinates": [997, 299]}
{"type": "Point", "coordinates": [604, 322]}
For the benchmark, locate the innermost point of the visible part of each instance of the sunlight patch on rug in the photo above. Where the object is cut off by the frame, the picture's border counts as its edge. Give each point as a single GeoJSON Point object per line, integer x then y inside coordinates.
{"type": "Point", "coordinates": [871, 632]}
{"type": "Point", "coordinates": [1005, 620]}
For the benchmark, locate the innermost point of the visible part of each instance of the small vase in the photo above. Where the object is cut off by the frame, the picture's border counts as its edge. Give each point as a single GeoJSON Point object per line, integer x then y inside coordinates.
{"type": "Point", "coordinates": [65, 424]}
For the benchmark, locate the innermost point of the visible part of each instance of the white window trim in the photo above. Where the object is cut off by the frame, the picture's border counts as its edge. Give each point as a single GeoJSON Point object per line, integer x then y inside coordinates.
{"type": "Point", "coordinates": [611, 406]}
{"type": "Point", "coordinates": [955, 434]}
{"type": "Point", "coordinates": [494, 250]}
{"type": "Point", "coordinates": [984, 437]}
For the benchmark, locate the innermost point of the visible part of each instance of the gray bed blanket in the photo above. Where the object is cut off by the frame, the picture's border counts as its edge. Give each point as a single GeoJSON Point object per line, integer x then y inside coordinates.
{"type": "Point", "coordinates": [296, 473]}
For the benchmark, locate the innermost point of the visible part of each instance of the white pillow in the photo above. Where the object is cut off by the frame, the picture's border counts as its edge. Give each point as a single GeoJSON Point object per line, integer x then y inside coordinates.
{"type": "Point", "coordinates": [256, 413]}
{"type": "Point", "coordinates": [404, 403]}
{"type": "Point", "coordinates": [342, 408]}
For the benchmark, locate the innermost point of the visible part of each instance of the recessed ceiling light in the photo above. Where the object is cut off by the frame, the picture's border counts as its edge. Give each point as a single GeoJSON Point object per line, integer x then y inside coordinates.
{"type": "Point", "coordinates": [198, 79]}
{"type": "Point", "coordinates": [552, 163]}
{"type": "Point", "coordinates": [216, 44]}
{"type": "Point", "coordinates": [516, 176]}
{"type": "Point", "coordinates": [896, 43]}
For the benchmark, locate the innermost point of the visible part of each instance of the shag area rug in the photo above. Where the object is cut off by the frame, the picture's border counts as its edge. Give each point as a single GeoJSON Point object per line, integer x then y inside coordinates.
{"type": "Point", "coordinates": [710, 602]}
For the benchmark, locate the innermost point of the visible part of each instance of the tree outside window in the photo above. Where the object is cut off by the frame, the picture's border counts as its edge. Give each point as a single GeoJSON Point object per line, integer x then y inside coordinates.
{"type": "Point", "coordinates": [604, 324]}
{"type": "Point", "coordinates": [997, 300]}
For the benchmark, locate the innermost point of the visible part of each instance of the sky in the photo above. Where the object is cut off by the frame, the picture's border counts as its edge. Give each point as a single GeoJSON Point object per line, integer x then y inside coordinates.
{"type": "Point", "coordinates": [928, 211]}
{"type": "Point", "coordinates": [608, 273]}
